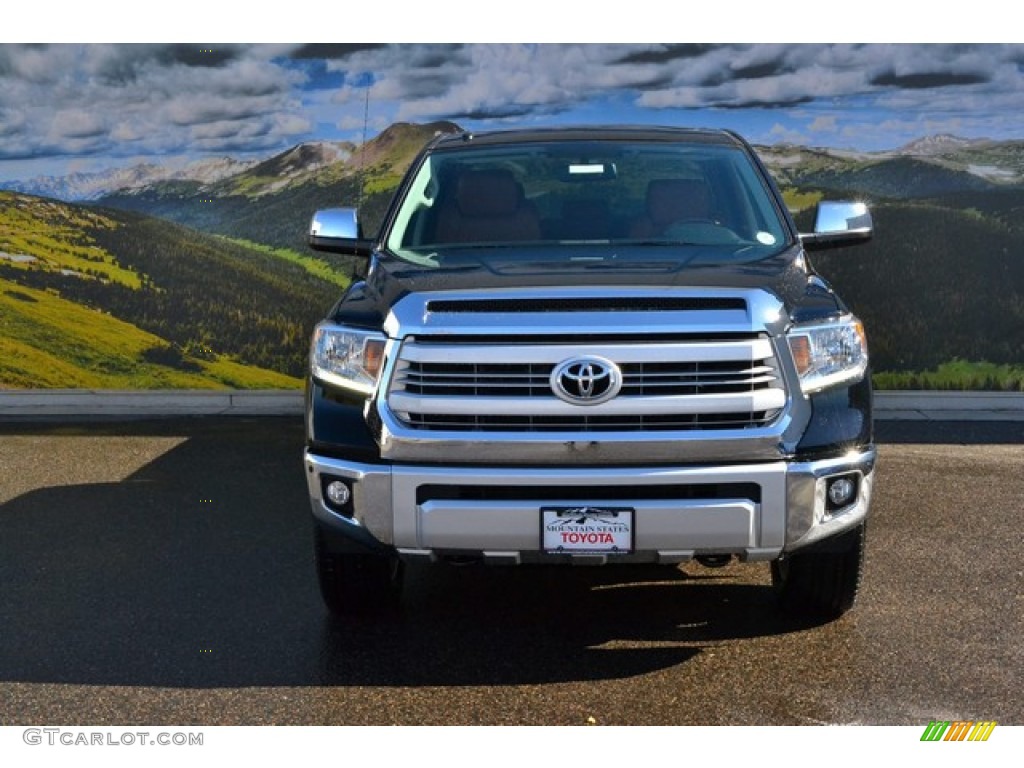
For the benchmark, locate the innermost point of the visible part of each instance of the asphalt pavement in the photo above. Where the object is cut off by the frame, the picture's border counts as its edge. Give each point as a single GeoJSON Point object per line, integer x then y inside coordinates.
{"type": "Point", "coordinates": [160, 572]}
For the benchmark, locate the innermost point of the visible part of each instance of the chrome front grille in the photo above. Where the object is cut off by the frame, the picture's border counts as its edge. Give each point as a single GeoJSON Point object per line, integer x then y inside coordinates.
{"type": "Point", "coordinates": [533, 379]}
{"type": "Point", "coordinates": [696, 378]}
{"type": "Point", "coordinates": [473, 379]}
{"type": "Point", "coordinates": [677, 385]}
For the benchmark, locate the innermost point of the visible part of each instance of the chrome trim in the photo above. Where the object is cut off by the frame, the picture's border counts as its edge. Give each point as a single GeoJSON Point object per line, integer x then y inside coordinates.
{"type": "Point", "coordinates": [664, 525]}
{"type": "Point", "coordinates": [419, 336]}
{"type": "Point", "coordinates": [838, 216]}
{"type": "Point", "coordinates": [623, 353]}
{"type": "Point", "coordinates": [756, 401]}
{"type": "Point", "coordinates": [575, 448]}
{"type": "Point", "coordinates": [410, 317]}
{"type": "Point", "coordinates": [790, 513]}
{"type": "Point", "coordinates": [766, 518]}
{"type": "Point", "coordinates": [371, 495]}
{"type": "Point", "coordinates": [809, 521]}
{"type": "Point", "coordinates": [335, 223]}
{"type": "Point", "coordinates": [593, 380]}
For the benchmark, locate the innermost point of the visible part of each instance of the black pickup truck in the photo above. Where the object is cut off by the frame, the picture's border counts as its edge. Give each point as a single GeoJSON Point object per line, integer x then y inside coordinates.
{"type": "Point", "coordinates": [588, 346]}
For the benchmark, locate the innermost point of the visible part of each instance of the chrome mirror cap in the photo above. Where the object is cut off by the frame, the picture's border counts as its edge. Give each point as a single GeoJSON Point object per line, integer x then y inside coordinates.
{"type": "Point", "coordinates": [335, 223]}
{"type": "Point", "coordinates": [336, 230]}
{"type": "Point", "coordinates": [839, 224]}
{"type": "Point", "coordinates": [837, 217]}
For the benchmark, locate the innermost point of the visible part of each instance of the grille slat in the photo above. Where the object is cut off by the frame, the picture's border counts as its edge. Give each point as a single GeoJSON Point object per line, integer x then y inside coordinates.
{"type": "Point", "coordinates": [532, 380]}
{"type": "Point", "coordinates": [589, 304]}
{"type": "Point", "coordinates": [681, 422]}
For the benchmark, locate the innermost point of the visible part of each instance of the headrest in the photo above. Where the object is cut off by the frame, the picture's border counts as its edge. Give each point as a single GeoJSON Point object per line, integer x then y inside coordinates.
{"type": "Point", "coordinates": [488, 193]}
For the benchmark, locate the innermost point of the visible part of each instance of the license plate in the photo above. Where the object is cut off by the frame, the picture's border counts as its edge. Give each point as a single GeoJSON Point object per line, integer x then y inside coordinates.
{"type": "Point", "coordinates": [607, 530]}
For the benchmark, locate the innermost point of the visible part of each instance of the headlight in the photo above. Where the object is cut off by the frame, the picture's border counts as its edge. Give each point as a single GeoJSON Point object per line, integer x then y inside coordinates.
{"type": "Point", "coordinates": [829, 354]}
{"type": "Point", "coordinates": [347, 357]}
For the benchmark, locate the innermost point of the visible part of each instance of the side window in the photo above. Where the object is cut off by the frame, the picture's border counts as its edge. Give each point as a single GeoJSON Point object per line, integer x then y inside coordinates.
{"type": "Point", "coordinates": [410, 229]}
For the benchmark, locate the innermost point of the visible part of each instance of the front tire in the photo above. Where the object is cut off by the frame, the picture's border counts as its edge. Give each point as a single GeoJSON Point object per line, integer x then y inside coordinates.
{"type": "Point", "coordinates": [821, 582]}
{"type": "Point", "coordinates": [357, 584]}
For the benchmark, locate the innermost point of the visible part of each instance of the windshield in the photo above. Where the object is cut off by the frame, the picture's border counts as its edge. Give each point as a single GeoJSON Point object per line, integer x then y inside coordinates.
{"type": "Point", "coordinates": [710, 199]}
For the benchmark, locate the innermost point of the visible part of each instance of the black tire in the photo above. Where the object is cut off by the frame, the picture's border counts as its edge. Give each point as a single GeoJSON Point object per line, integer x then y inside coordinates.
{"type": "Point", "coordinates": [357, 584]}
{"type": "Point", "coordinates": [823, 581]}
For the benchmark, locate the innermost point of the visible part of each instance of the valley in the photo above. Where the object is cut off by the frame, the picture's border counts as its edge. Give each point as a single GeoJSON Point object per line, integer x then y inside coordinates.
{"type": "Point", "coordinates": [166, 280]}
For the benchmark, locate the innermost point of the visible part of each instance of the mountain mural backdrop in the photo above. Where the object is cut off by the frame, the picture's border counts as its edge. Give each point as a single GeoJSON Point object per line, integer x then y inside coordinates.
{"type": "Point", "coordinates": [152, 277]}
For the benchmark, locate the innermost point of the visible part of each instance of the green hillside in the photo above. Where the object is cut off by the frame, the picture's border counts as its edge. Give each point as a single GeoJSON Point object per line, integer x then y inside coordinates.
{"type": "Point", "coordinates": [936, 284]}
{"type": "Point", "coordinates": [941, 282]}
{"type": "Point", "coordinates": [37, 234]}
{"type": "Point", "coordinates": [272, 202]}
{"type": "Point", "coordinates": [941, 166]}
{"type": "Point", "coordinates": [902, 177]}
{"type": "Point", "coordinates": [108, 298]}
{"type": "Point", "coordinates": [941, 286]}
{"type": "Point", "coordinates": [49, 342]}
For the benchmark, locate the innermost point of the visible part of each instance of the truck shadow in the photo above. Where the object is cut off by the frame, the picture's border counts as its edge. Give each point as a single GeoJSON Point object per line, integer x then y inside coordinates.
{"type": "Point", "coordinates": [196, 571]}
{"type": "Point", "coordinates": [477, 626]}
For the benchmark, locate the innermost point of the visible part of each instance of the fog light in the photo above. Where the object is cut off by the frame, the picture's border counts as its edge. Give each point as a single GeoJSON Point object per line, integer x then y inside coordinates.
{"type": "Point", "coordinates": [841, 491]}
{"type": "Point", "coordinates": [338, 493]}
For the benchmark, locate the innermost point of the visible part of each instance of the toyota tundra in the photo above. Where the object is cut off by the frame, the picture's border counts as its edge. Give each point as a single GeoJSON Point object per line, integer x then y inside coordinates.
{"type": "Point", "coordinates": [589, 346]}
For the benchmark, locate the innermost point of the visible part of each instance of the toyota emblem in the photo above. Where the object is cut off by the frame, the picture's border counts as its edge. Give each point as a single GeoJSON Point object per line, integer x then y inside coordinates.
{"type": "Point", "coordinates": [586, 380]}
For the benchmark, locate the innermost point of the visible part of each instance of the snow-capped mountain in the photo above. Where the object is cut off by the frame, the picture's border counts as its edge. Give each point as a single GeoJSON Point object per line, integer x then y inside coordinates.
{"type": "Point", "coordinates": [939, 144]}
{"type": "Point", "coordinates": [948, 162]}
{"type": "Point", "coordinates": [93, 186]}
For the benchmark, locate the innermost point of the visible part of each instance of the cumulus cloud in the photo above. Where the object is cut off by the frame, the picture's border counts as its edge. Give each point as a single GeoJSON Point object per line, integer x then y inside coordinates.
{"type": "Point", "coordinates": [782, 134]}
{"type": "Point", "coordinates": [77, 124]}
{"type": "Point", "coordinates": [12, 121]}
{"type": "Point", "coordinates": [125, 99]}
{"type": "Point", "coordinates": [664, 54]}
{"type": "Point", "coordinates": [332, 51]}
{"type": "Point", "coordinates": [823, 124]}
{"type": "Point", "coordinates": [519, 79]}
{"type": "Point", "coordinates": [153, 100]}
{"type": "Point", "coordinates": [928, 79]}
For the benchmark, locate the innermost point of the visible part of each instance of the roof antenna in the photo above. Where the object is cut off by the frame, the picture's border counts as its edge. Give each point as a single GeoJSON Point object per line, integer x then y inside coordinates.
{"type": "Point", "coordinates": [362, 148]}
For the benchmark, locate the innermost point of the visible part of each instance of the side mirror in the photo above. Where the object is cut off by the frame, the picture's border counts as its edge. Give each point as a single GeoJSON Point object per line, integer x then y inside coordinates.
{"type": "Point", "coordinates": [337, 230]}
{"type": "Point", "coordinates": [838, 224]}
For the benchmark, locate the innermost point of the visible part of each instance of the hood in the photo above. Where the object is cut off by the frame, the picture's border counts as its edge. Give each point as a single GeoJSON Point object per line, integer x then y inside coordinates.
{"type": "Point", "coordinates": [389, 279]}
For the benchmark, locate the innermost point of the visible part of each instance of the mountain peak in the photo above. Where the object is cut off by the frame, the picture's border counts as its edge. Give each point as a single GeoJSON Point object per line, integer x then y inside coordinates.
{"type": "Point", "coordinates": [400, 142]}
{"type": "Point", "coordinates": [938, 144]}
{"type": "Point", "coordinates": [405, 130]}
{"type": "Point", "coordinates": [94, 185]}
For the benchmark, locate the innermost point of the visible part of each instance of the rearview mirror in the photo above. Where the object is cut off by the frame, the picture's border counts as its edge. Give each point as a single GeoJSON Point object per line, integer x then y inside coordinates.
{"type": "Point", "coordinates": [586, 171]}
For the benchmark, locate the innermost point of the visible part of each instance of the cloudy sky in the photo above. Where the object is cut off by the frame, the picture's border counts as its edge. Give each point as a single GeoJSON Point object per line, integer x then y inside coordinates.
{"type": "Point", "coordinates": [83, 107]}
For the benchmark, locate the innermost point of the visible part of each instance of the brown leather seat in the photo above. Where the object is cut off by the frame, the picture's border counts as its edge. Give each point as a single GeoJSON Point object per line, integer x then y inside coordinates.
{"type": "Point", "coordinates": [670, 201]}
{"type": "Point", "coordinates": [488, 207]}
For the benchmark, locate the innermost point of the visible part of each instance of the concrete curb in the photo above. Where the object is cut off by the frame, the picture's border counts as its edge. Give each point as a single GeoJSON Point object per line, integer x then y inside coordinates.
{"type": "Point", "coordinates": [85, 403]}
{"type": "Point", "coordinates": [949, 406]}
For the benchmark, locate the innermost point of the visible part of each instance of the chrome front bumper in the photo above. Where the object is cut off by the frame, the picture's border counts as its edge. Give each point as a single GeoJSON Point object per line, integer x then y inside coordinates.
{"type": "Point", "coordinates": [786, 510]}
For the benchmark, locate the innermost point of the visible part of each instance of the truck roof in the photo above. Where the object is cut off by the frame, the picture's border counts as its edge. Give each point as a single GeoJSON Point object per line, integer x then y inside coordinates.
{"type": "Point", "coordinates": [646, 133]}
